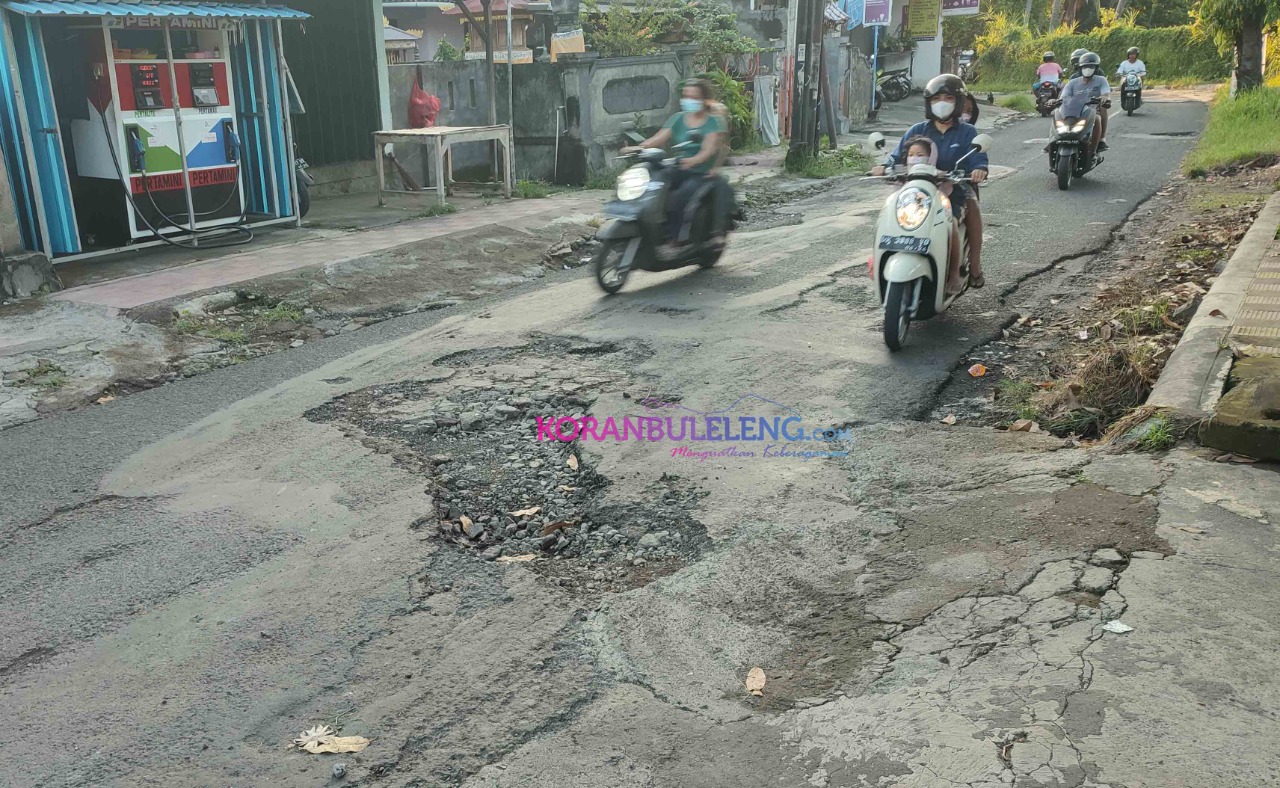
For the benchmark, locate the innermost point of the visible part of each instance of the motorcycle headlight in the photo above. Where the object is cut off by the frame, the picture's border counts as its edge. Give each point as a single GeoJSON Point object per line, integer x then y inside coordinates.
{"type": "Point", "coordinates": [1080, 124]}
{"type": "Point", "coordinates": [632, 183]}
{"type": "Point", "coordinates": [913, 208]}
{"type": "Point", "coordinates": [1061, 126]}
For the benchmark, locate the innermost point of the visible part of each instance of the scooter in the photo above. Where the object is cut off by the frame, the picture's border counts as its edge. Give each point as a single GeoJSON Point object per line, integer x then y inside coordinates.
{"type": "Point", "coordinates": [1046, 93]}
{"type": "Point", "coordinates": [895, 85]}
{"type": "Point", "coordinates": [635, 226]}
{"type": "Point", "coordinates": [912, 251]}
{"type": "Point", "coordinates": [1071, 149]}
{"type": "Point", "coordinates": [304, 183]}
{"type": "Point", "coordinates": [1131, 93]}
{"type": "Point", "coordinates": [969, 67]}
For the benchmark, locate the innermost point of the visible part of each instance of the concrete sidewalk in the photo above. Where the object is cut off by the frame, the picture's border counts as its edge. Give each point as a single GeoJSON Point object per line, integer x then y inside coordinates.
{"type": "Point", "coordinates": [1232, 345]}
{"type": "Point", "coordinates": [133, 291]}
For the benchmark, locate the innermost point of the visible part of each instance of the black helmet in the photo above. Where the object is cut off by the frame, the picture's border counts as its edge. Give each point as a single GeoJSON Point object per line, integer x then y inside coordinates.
{"type": "Point", "coordinates": [1075, 57]}
{"type": "Point", "coordinates": [944, 84]}
{"type": "Point", "coordinates": [1048, 57]}
{"type": "Point", "coordinates": [1090, 60]}
{"type": "Point", "coordinates": [1132, 51]}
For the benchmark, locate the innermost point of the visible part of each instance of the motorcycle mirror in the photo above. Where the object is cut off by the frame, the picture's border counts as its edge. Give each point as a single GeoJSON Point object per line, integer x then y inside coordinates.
{"type": "Point", "coordinates": [876, 140]}
{"type": "Point", "coordinates": [983, 142]}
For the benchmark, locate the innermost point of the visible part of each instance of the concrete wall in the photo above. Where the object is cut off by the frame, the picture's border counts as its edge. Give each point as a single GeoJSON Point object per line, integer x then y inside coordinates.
{"type": "Point", "coordinates": [597, 106]}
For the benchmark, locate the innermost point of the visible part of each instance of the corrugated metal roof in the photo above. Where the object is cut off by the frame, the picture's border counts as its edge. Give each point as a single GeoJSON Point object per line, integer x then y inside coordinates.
{"type": "Point", "coordinates": [149, 8]}
{"type": "Point", "coordinates": [833, 13]}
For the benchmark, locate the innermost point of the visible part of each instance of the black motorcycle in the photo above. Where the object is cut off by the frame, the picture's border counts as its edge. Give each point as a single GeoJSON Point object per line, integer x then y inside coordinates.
{"type": "Point", "coordinates": [635, 229]}
{"type": "Point", "coordinates": [1071, 149]}
{"type": "Point", "coordinates": [1130, 93]}
{"type": "Point", "coordinates": [895, 85]}
{"type": "Point", "coordinates": [1046, 93]}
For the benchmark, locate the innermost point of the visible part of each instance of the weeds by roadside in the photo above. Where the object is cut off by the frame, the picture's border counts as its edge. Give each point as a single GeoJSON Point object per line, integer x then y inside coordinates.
{"type": "Point", "coordinates": [532, 190]}
{"type": "Point", "coordinates": [1239, 130]}
{"type": "Point", "coordinates": [46, 376]}
{"type": "Point", "coordinates": [1018, 102]}
{"type": "Point", "coordinates": [600, 179]}
{"type": "Point", "coordinates": [1157, 435]}
{"type": "Point", "coordinates": [438, 209]}
{"type": "Point", "coordinates": [830, 164]}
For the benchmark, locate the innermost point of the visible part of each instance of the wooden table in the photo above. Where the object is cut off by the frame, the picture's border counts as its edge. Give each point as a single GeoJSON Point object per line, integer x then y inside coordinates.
{"type": "Point", "coordinates": [441, 138]}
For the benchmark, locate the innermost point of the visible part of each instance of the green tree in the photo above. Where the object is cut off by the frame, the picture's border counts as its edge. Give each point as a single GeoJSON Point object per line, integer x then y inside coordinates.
{"type": "Point", "coordinates": [1238, 25]}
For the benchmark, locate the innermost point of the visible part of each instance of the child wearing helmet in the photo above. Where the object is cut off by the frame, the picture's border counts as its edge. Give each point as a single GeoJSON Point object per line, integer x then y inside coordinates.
{"type": "Point", "coordinates": [952, 139]}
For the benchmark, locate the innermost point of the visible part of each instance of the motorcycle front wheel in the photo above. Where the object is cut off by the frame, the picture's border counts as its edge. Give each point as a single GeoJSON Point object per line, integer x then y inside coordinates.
{"type": "Point", "coordinates": [610, 274]}
{"type": "Point", "coordinates": [1065, 163]}
{"type": "Point", "coordinates": [895, 91]}
{"type": "Point", "coordinates": [897, 313]}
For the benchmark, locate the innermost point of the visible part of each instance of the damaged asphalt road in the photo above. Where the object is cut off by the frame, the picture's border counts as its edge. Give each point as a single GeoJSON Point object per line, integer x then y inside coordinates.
{"type": "Point", "coordinates": [198, 573]}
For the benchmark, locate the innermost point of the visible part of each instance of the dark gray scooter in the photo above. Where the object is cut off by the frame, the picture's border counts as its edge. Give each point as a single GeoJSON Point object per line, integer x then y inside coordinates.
{"type": "Point", "coordinates": [636, 222]}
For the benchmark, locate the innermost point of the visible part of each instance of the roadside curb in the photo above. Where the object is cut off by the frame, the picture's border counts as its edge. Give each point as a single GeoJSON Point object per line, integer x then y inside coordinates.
{"type": "Point", "coordinates": [1193, 380]}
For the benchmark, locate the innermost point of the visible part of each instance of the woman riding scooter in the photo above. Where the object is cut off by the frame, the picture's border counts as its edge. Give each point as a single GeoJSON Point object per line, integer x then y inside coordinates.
{"type": "Point", "coordinates": [696, 163]}
{"type": "Point", "coordinates": [944, 98]}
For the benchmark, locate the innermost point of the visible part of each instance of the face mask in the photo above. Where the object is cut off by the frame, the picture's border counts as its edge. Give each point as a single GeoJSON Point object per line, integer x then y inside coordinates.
{"type": "Point", "coordinates": [690, 105]}
{"type": "Point", "coordinates": [914, 160]}
{"type": "Point", "coordinates": [1088, 72]}
{"type": "Point", "coordinates": [965, 117]}
{"type": "Point", "coordinates": [943, 109]}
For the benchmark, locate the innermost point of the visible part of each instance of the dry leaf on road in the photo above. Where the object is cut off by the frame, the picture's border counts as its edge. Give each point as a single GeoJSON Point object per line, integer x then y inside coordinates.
{"type": "Point", "coordinates": [950, 420]}
{"type": "Point", "coordinates": [105, 398]}
{"type": "Point", "coordinates": [1217, 313]}
{"type": "Point", "coordinates": [466, 522]}
{"type": "Point", "coordinates": [516, 559]}
{"type": "Point", "coordinates": [572, 462]}
{"type": "Point", "coordinates": [977, 371]}
{"type": "Point", "coordinates": [551, 528]}
{"type": "Point", "coordinates": [567, 488]}
{"type": "Point", "coordinates": [1191, 530]}
{"type": "Point", "coordinates": [531, 511]}
{"type": "Point", "coordinates": [322, 739]}
{"type": "Point", "coordinates": [1234, 458]}
{"type": "Point", "coordinates": [755, 681]}
{"type": "Point", "coordinates": [1024, 425]}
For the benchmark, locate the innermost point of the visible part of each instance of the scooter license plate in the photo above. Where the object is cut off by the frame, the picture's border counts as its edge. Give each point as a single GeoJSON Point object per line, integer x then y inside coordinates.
{"type": "Point", "coordinates": [905, 243]}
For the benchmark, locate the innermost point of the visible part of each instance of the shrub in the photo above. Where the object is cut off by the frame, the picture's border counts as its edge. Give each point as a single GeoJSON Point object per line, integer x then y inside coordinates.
{"type": "Point", "coordinates": [447, 52]}
{"type": "Point", "coordinates": [1010, 53]}
{"type": "Point", "coordinates": [1239, 130]}
{"type": "Point", "coordinates": [738, 102]}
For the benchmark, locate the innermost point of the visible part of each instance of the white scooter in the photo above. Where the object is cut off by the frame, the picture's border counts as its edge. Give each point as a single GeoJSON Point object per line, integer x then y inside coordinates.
{"type": "Point", "coordinates": [910, 260]}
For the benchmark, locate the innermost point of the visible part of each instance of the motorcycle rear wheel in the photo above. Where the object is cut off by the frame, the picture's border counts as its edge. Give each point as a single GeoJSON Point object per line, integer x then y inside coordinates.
{"type": "Point", "coordinates": [895, 91]}
{"type": "Point", "coordinates": [1065, 164]}
{"type": "Point", "coordinates": [897, 314]}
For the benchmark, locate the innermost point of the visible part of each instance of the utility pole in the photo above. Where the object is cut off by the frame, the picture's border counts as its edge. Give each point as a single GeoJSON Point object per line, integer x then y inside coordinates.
{"type": "Point", "coordinates": [802, 105]}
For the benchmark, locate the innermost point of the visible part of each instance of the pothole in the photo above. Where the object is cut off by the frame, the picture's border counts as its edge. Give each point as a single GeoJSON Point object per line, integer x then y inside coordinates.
{"type": "Point", "coordinates": [501, 491]}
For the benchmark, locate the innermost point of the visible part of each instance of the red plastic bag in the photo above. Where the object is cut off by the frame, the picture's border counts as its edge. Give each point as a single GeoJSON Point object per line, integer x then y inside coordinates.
{"type": "Point", "coordinates": [422, 107]}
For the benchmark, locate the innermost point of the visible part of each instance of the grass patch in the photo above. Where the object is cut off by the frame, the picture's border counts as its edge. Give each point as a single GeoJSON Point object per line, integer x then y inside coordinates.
{"type": "Point", "coordinates": [438, 209]}
{"type": "Point", "coordinates": [1217, 200]}
{"type": "Point", "coordinates": [1146, 318]}
{"type": "Point", "coordinates": [601, 179]}
{"type": "Point", "coordinates": [1157, 435]}
{"type": "Point", "coordinates": [231, 336]}
{"type": "Point", "coordinates": [46, 376]}
{"type": "Point", "coordinates": [830, 164]}
{"type": "Point", "coordinates": [1239, 130]}
{"type": "Point", "coordinates": [1019, 102]}
{"type": "Point", "coordinates": [279, 313]}
{"type": "Point", "coordinates": [532, 190]}
{"type": "Point", "coordinates": [1018, 397]}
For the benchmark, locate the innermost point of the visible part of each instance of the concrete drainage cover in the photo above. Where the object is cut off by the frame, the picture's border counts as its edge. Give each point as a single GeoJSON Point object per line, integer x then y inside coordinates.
{"type": "Point", "coordinates": [474, 439]}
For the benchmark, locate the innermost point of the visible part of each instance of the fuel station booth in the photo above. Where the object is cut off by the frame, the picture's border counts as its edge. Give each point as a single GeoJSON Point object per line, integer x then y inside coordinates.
{"type": "Point", "coordinates": [132, 123]}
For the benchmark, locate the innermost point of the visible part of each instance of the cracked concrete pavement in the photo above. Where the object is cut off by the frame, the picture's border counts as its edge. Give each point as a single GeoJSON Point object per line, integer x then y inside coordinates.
{"type": "Point", "coordinates": [930, 610]}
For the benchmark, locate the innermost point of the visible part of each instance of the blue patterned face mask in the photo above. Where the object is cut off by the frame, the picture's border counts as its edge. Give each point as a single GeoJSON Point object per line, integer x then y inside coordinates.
{"type": "Point", "coordinates": [690, 105]}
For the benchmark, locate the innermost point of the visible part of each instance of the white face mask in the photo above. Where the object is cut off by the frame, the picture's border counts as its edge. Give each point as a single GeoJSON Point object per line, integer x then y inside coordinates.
{"type": "Point", "coordinates": [1087, 72]}
{"type": "Point", "coordinates": [943, 109]}
{"type": "Point", "coordinates": [914, 160]}
{"type": "Point", "coordinates": [965, 117]}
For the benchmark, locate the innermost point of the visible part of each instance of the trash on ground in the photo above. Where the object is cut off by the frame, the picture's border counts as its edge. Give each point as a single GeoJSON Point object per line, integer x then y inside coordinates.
{"type": "Point", "coordinates": [950, 420]}
{"type": "Point", "coordinates": [572, 462]}
{"type": "Point", "coordinates": [517, 559]}
{"type": "Point", "coordinates": [322, 738]}
{"type": "Point", "coordinates": [755, 681]}
{"type": "Point", "coordinates": [977, 371]}
{"type": "Point", "coordinates": [1117, 627]}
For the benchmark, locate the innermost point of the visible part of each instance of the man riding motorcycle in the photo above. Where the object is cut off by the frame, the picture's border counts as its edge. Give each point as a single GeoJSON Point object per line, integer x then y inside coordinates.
{"type": "Point", "coordinates": [1132, 65]}
{"type": "Point", "coordinates": [1075, 62]}
{"type": "Point", "coordinates": [944, 98]}
{"type": "Point", "coordinates": [696, 163]}
{"type": "Point", "coordinates": [1094, 85]}
{"type": "Point", "coordinates": [1049, 71]}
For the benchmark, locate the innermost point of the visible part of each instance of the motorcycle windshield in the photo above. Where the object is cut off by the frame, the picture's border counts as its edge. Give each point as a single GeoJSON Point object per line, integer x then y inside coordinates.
{"type": "Point", "coordinates": [1076, 106]}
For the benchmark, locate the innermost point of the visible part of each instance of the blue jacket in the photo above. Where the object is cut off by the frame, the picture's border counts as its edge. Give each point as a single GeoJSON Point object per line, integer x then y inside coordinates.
{"type": "Point", "coordinates": [956, 142]}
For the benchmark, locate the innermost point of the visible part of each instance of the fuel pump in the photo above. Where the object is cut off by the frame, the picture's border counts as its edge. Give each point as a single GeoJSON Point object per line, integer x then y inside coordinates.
{"type": "Point", "coordinates": [137, 155]}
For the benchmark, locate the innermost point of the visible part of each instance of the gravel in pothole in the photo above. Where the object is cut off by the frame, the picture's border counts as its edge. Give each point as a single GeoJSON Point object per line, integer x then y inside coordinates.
{"type": "Point", "coordinates": [500, 494]}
